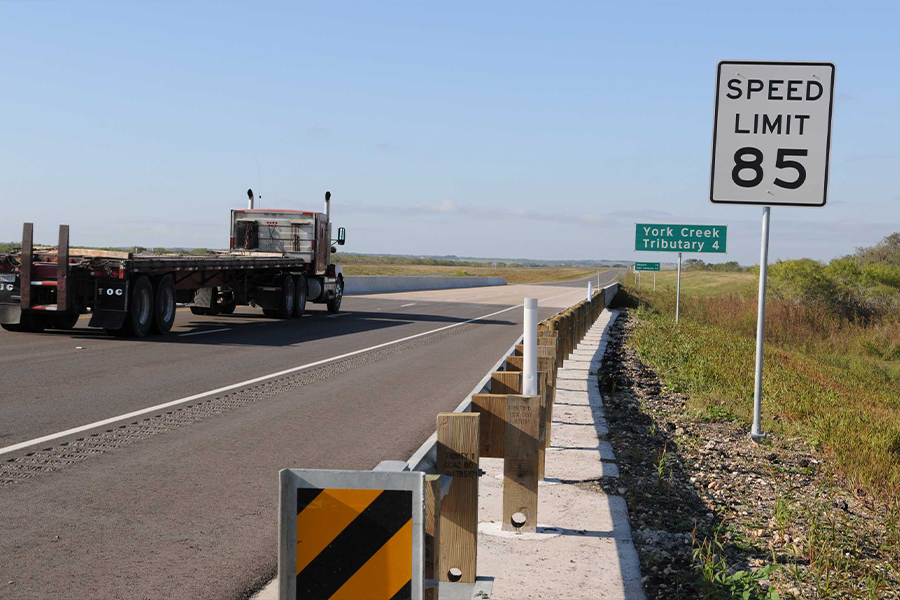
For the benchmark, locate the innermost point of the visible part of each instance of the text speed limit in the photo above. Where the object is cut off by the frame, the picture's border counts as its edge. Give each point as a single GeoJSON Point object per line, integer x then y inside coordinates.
{"type": "Point", "coordinates": [772, 133]}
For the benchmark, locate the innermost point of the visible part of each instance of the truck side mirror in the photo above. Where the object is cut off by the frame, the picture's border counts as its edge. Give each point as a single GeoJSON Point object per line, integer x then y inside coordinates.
{"type": "Point", "coordinates": [342, 236]}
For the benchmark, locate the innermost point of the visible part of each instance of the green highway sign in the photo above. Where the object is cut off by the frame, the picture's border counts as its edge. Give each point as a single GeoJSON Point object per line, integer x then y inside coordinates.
{"type": "Point", "coordinates": [645, 266]}
{"type": "Point", "coordinates": [680, 238]}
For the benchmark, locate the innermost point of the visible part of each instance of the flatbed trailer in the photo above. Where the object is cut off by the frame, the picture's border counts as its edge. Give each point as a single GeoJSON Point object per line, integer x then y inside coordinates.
{"type": "Point", "coordinates": [136, 294]}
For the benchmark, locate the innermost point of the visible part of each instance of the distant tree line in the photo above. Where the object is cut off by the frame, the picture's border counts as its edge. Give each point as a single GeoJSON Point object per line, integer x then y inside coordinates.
{"type": "Point", "coordinates": [860, 286]}
{"type": "Point", "coordinates": [449, 261]}
{"type": "Point", "coordinates": [695, 264]}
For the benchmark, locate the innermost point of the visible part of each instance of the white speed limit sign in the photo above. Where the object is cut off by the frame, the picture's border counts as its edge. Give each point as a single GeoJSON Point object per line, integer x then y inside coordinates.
{"type": "Point", "coordinates": [772, 133]}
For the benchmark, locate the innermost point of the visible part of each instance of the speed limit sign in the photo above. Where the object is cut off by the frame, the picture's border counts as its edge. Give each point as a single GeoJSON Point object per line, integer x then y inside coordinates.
{"type": "Point", "coordinates": [772, 133]}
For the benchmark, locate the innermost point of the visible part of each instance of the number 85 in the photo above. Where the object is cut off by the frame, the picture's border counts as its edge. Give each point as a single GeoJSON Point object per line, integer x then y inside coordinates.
{"type": "Point", "coordinates": [755, 165]}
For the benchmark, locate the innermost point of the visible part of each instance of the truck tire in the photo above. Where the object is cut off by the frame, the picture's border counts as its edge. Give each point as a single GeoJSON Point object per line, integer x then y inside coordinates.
{"type": "Point", "coordinates": [227, 308]}
{"type": "Point", "coordinates": [164, 306]}
{"type": "Point", "coordinates": [140, 310]}
{"type": "Point", "coordinates": [300, 292]}
{"type": "Point", "coordinates": [64, 321]}
{"type": "Point", "coordinates": [334, 304]}
{"type": "Point", "coordinates": [288, 298]}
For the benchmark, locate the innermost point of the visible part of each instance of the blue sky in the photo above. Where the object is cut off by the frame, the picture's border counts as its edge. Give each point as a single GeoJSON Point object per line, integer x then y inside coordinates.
{"type": "Point", "coordinates": [507, 129]}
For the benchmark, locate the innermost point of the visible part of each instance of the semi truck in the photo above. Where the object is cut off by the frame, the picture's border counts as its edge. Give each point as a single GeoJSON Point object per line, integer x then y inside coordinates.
{"type": "Point", "coordinates": [278, 261]}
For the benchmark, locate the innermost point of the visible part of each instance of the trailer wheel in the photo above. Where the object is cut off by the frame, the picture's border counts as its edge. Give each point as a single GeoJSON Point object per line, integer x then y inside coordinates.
{"type": "Point", "coordinates": [140, 312]}
{"type": "Point", "coordinates": [164, 307]}
{"type": "Point", "coordinates": [64, 321]}
{"type": "Point", "coordinates": [228, 307]}
{"type": "Point", "coordinates": [288, 300]}
{"type": "Point", "coordinates": [300, 291]}
{"type": "Point", "coordinates": [334, 304]}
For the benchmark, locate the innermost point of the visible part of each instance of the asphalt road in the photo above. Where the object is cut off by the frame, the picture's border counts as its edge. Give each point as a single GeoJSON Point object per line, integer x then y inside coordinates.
{"type": "Point", "coordinates": [180, 501]}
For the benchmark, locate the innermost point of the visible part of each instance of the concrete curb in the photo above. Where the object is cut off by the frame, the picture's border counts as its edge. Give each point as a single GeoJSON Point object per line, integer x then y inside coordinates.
{"type": "Point", "coordinates": [356, 285]}
{"type": "Point", "coordinates": [584, 549]}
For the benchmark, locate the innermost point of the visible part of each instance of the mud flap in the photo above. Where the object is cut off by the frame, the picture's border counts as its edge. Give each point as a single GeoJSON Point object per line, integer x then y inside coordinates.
{"type": "Point", "coordinates": [10, 314]}
{"type": "Point", "coordinates": [108, 319]}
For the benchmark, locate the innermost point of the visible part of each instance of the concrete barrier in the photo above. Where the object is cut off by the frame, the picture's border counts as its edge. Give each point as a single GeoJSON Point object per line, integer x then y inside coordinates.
{"type": "Point", "coordinates": [610, 292]}
{"type": "Point", "coordinates": [359, 284]}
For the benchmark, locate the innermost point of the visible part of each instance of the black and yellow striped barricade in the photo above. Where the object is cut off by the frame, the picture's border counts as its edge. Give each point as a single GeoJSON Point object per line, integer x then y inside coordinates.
{"type": "Point", "coordinates": [351, 535]}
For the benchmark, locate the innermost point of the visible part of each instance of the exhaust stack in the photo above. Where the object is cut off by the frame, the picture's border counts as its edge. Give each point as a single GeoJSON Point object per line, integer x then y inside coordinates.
{"type": "Point", "coordinates": [250, 196]}
{"type": "Point", "coordinates": [328, 206]}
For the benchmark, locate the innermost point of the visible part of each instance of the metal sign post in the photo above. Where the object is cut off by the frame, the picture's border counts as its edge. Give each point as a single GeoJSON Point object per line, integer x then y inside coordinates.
{"type": "Point", "coordinates": [771, 146]}
{"type": "Point", "coordinates": [756, 433]}
{"type": "Point", "coordinates": [678, 292]}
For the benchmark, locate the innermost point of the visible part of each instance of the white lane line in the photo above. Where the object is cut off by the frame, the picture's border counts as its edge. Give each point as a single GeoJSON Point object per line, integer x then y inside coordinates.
{"type": "Point", "coordinates": [405, 305]}
{"type": "Point", "coordinates": [158, 407]}
{"type": "Point", "coordinates": [202, 332]}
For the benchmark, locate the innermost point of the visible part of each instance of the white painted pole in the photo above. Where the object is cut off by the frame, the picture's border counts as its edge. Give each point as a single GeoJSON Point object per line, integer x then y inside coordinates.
{"type": "Point", "coordinates": [678, 292]}
{"type": "Point", "coordinates": [529, 378]}
{"type": "Point", "coordinates": [756, 433]}
{"type": "Point", "coordinates": [590, 290]}
{"type": "Point", "coordinates": [654, 281]}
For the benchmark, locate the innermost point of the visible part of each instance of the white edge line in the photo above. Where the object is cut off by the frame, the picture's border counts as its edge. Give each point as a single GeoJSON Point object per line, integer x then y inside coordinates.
{"type": "Point", "coordinates": [405, 305]}
{"type": "Point", "coordinates": [202, 332]}
{"type": "Point", "coordinates": [158, 407]}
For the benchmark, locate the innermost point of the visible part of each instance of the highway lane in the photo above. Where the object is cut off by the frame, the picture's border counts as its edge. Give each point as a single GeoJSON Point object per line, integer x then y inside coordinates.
{"type": "Point", "coordinates": [48, 384]}
{"type": "Point", "coordinates": [183, 505]}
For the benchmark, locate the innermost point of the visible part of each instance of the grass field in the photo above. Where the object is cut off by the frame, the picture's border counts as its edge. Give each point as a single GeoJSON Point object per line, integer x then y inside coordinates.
{"type": "Point", "coordinates": [830, 382]}
{"type": "Point", "coordinates": [512, 274]}
{"type": "Point", "coordinates": [824, 379]}
{"type": "Point", "coordinates": [703, 283]}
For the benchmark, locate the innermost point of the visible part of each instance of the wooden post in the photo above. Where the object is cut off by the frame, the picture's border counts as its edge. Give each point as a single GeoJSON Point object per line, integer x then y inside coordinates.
{"type": "Point", "coordinates": [520, 468]}
{"type": "Point", "coordinates": [515, 363]}
{"type": "Point", "coordinates": [547, 364]}
{"type": "Point", "coordinates": [543, 396]}
{"type": "Point", "coordinates": [432, 531]}
{"type": "Point", "coordinates": [506, 382]}
{"type": "Point", "coordinates": [457, 457]}
{"type": "Point", "coordinates": [492, 425]}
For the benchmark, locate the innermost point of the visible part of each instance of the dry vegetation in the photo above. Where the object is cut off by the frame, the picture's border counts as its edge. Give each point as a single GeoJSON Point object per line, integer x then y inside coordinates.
{"type": "Point", "coordinates": [831, 384]}
{"type": "Point", "coordinates": [512, 274]}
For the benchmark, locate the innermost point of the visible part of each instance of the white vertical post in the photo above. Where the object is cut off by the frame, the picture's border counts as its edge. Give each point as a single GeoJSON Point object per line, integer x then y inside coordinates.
{"type": "Point", "coordinates": [756, 433]}
{"type": "Point", "coordinates": [529, 378]}
{"type": "Point", "coordinates": [598, 280]}
{"type": "Point", "coordinates": [654, 281]}
{"type": "Point", "coordinates": [678, 292]}
{"type": "Point", "coordinates": [590, 290]}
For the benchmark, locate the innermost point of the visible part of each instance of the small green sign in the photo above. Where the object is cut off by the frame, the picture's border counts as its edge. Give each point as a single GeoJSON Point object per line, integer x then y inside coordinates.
{"type": "Point", "coordinates": [680, 238]}
{"type": "Point", "coordinates": [645, 266]}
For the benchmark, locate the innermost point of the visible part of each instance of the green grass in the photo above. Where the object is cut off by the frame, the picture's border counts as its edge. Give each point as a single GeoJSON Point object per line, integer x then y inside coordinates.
{"type": "Point", "coordinates": [832, 382]}
{"type": "Point", "coordinates": [829, 381]}
{"type": "Point", "coordinates": [701, 283]}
